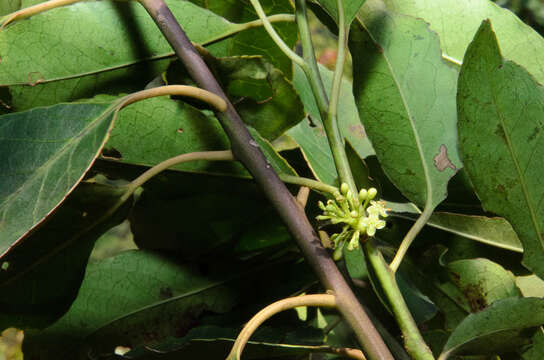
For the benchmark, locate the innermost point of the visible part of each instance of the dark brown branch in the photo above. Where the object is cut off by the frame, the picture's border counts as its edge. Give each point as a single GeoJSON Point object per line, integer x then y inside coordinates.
{"type": "Point", "coordinates": [246, 150]}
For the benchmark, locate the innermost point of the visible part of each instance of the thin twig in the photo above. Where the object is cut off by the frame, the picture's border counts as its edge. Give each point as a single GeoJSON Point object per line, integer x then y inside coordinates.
{"type": "Point", "coordinates": [322, 300]}
{"type": "Point", "coordinates": [331, 122]}
{"type": "Point", "coordinates": [33, 10]}
{"type": "Point", "coordinates": [413, 342]}
{"type": "Point", "coordinates": [274, 35]}
{"type": "Point", "coordinates": [180, 90]}
{"type": "Point", "coordinates": [302, 195]}
{"type": "Point", "coordinates": [244, 149]}
{"type": "Point", "coordinates": [410, 237]}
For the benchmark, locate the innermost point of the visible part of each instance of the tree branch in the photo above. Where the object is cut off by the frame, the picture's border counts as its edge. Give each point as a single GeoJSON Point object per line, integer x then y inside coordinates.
{"type": "Point", "coordinates": [254, 160]}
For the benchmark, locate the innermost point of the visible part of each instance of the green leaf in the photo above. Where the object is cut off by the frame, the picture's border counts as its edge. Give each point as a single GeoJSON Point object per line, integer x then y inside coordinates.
{"type": "Point", "coordinates": [109, 43]}
{"type": "Point", "coordinates": [237, 220]}
{"type": "Point", "coordinates": [405, 93]}
{"type": "Point", "coordinates": [153, 130]}
{"type": "Point", "coordinates": [482, 282]}
{"type": "Point", "coordinates": [537, 347]}
{"type": "Point", "coordinates": [264, 97]}
{"type": "Point", "coordinates": [311, 137]}
{"type": "Point", "coordinates": [50, 149]}
{"type": "Point", "coordinates": [530, 286]}
{"type": "Point", "coordinates": [500, 107]}
{"type": "Point", "coordinates": [141, 298]}
{"type": "Point", "coordinates": [216, 341]}
{"type": "Point", "coordinates": [134, 297]}
{"type": "Point", "coordinates": [494, 231]}
{"type": "Point", "coordinates": [456, 22]}
{"type": "Point", "coordinates": [255, 41]}
{"type": "Point", "coordinates": [351, 7]}
{"type": "Point", "coordinates": [502, 327]}
{"type": "Point", "coordinates": [9, 6]}
{"type": "Point", "coordinates": [43, 273]}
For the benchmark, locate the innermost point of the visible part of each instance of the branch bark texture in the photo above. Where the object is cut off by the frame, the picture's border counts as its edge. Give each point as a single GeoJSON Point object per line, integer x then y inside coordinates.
{"type": "Point", "coordinates": [246, 150]}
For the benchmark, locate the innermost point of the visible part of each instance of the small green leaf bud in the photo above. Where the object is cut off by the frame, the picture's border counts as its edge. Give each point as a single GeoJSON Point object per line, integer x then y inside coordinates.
{"type": "Point", "coordinates": [372, 192]}
{"type": "Point", "coordinates": [362, 195]}
{"type": "Point", "coordinates": [344, 188]}
{"type": "Point", "coordinates": [338, 253]}
{"type": "Point", "coordinates": [321, 205]}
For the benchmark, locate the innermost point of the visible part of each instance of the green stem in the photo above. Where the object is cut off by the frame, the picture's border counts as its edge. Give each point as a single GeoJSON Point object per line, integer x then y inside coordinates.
{"type": "Point", "coordinates": [321, 300]}
{"type": "Point", "coordinates": [310, 68]}
{"type": "Point", "coordinates": [128, 191]}
{"type": "Point", "coordinates": [410, 236]}
{"type": "Point", "coordinates": [274, 35]}
{"type": "Point", "coordinates": [413, 342]}
{"type": "Point", "coordinates": [331, 123]}
{"type": "Point", "coordinates": [312, 184]}
{"type": "Point", "coordinates": [223, 155]}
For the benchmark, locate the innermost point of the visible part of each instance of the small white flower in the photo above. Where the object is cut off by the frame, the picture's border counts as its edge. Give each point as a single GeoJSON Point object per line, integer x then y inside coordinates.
{"type": "Point", "coordinates": [377, 208]}
{"type": "Point", "coordinates": [370, 224]}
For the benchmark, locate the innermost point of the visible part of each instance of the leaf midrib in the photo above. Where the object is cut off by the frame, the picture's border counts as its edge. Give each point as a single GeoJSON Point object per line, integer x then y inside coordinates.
{"type": "Point", "coordinates": [511, 150]}
{"type": "Point", "coordinates": [429, 196]}
{"type": "Point", "coordinates": [46, 166]}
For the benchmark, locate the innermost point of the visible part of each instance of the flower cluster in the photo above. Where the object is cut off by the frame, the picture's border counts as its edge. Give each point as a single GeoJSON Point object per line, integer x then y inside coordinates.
{"type": "Point", "coordinates": [359, 214]}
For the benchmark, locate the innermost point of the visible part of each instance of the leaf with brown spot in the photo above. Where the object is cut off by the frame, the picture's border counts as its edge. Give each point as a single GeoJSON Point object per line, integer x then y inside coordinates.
{"type": "Point", "coordinates": [405, 94]}
{"type": "Point", "coordinates": [499, 109]}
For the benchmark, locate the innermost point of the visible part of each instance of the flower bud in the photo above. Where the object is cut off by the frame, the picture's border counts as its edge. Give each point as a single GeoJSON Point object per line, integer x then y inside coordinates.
{"type": "Point", "coordinates": [362, 195]}
{"type": "Point", "coordinates": [372, 192]}
{"type": "Point", "coordinates": [344, 188]}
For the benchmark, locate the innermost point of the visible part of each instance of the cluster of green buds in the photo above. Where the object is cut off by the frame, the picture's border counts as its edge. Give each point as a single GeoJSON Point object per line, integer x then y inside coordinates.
{"type": "Point", "coordinates": [359, 214]}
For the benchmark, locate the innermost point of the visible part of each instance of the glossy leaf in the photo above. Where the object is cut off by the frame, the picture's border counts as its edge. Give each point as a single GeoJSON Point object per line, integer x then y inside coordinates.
{"type": "Point", "coordinates": [351, 7]}
{"type": "Point", "coordinates": [482, 282]}
{"type": "Point", "coordinates": [499, 328]}
{"type": "Point", "coordinates": [50, 149]}
{"type": "Point", "coordinates": [405, 94]}
{"type": "Point", "coordinates": [456, 22]}
{"type": "Point", "coordinates": [114, 47]}
{"type": "Point", "coordinates": [494, 231]}
{"type": "Point", "coordinates": [500, 107]}
{"type": "Point", "coordinates": [43, 273]}
{"type": "Point", "coordinates": [311, 137]}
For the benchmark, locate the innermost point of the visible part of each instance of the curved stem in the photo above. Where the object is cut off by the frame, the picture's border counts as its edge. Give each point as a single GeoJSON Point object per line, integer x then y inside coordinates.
{"type": "Point", "coordinates": [413, 342]}
{"type": "Point", "coordinates": [274, 35]}
{"type": "Point", "coordinates": [33, 10]}
{"type": "Point", "coordinates": [331, 123]}
{"type": "Point", "coordinates": [128, 191]}
{"type": "Point", "coordinates": [323, 300]}
{"type": "Point", "coordinates": [223, 155]}
{"type": "Point", "coordinates": [181, 90]}
{"type": "Point", "coordinates": [410, 236]}
{"type": "Point", "coordinates": [271, 19]}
